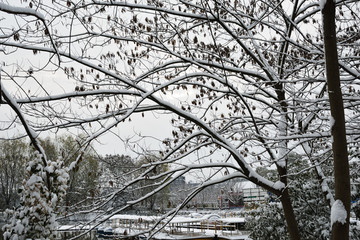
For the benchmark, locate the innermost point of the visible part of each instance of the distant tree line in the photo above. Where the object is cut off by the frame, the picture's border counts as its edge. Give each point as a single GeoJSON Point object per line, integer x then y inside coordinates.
{"type": "Point", "coordinates": [14, 157]}
{"type": "Point", "coordinates": [94, 177]}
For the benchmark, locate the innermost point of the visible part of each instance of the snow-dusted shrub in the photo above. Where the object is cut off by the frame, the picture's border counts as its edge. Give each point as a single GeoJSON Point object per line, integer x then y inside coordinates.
{"type": "Point", "coordinates": [40, 195]}
{"type": "Point", "coordinates": [355, 185]}
{"type": "Point", "coordinates": [312, 211]}
{"type": "Point", "coordinates": [267, 221]}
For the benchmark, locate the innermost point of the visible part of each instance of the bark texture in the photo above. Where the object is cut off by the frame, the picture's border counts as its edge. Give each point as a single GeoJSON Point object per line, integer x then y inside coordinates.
{"type": "Point", "coordinates": [290, 216]}
{"type": "Point", "coordinates": [339, 145]}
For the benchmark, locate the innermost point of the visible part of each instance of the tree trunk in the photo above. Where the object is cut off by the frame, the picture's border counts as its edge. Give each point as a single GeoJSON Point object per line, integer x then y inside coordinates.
{"type": "Point", "coordinates": [287, 205]}
{"type": "Point", "coordinates": [289, 215]}
{"type": "Point", "coordinates": [339, 145]}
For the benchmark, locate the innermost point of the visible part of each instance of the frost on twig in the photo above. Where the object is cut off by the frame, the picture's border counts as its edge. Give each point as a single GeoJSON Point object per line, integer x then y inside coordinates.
{"type": "Point", "coordinates": [35, 217]}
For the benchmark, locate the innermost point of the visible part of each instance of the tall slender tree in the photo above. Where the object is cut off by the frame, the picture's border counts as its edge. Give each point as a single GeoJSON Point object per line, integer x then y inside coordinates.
{"type": "Point", "coordinates": [340, 212]}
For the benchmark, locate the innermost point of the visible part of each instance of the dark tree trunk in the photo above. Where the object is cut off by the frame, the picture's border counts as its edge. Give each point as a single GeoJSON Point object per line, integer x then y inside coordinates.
{"type": "Point", "coordinates": [288, 209]}
{"type": "Point", "coordinates": [339, 145]}
{"type": "Point", "coordinates": [289, 215]}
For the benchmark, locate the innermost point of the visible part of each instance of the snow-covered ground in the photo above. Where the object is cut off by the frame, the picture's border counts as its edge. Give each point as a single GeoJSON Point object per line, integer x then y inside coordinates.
{"type": "Point", "coordinates": [191, 225]}
{"type": "Point", "coordinates": [180, 227]}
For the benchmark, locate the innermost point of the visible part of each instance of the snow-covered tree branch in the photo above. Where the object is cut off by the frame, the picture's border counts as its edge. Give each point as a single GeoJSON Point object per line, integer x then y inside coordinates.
{"type": "Point", "coordinates": [242, 84]}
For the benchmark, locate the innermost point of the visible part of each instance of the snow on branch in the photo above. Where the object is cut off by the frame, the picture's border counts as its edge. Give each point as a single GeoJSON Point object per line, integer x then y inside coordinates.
{"type": "Point", "coordinates": [30, 132]}
{"type": "Point", "coordinates": [30, 12]}
{"type": "Point", "coordinates": [20, 10]}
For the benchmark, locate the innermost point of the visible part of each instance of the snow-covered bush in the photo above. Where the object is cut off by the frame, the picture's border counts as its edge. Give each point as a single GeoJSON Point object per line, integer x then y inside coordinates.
{"type": "Point", "coordinates": [311, 209]}
{"type": "Point", "coordinates": [267, 221]}
{"type": "Point", "coordinates": [40, 195]}
{"type": "Point", "coordinates": [355, 184]}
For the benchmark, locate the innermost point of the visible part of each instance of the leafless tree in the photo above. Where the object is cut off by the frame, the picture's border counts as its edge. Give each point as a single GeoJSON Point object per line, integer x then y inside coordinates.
{"type": "Point", "coordinates": [244, 82]}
